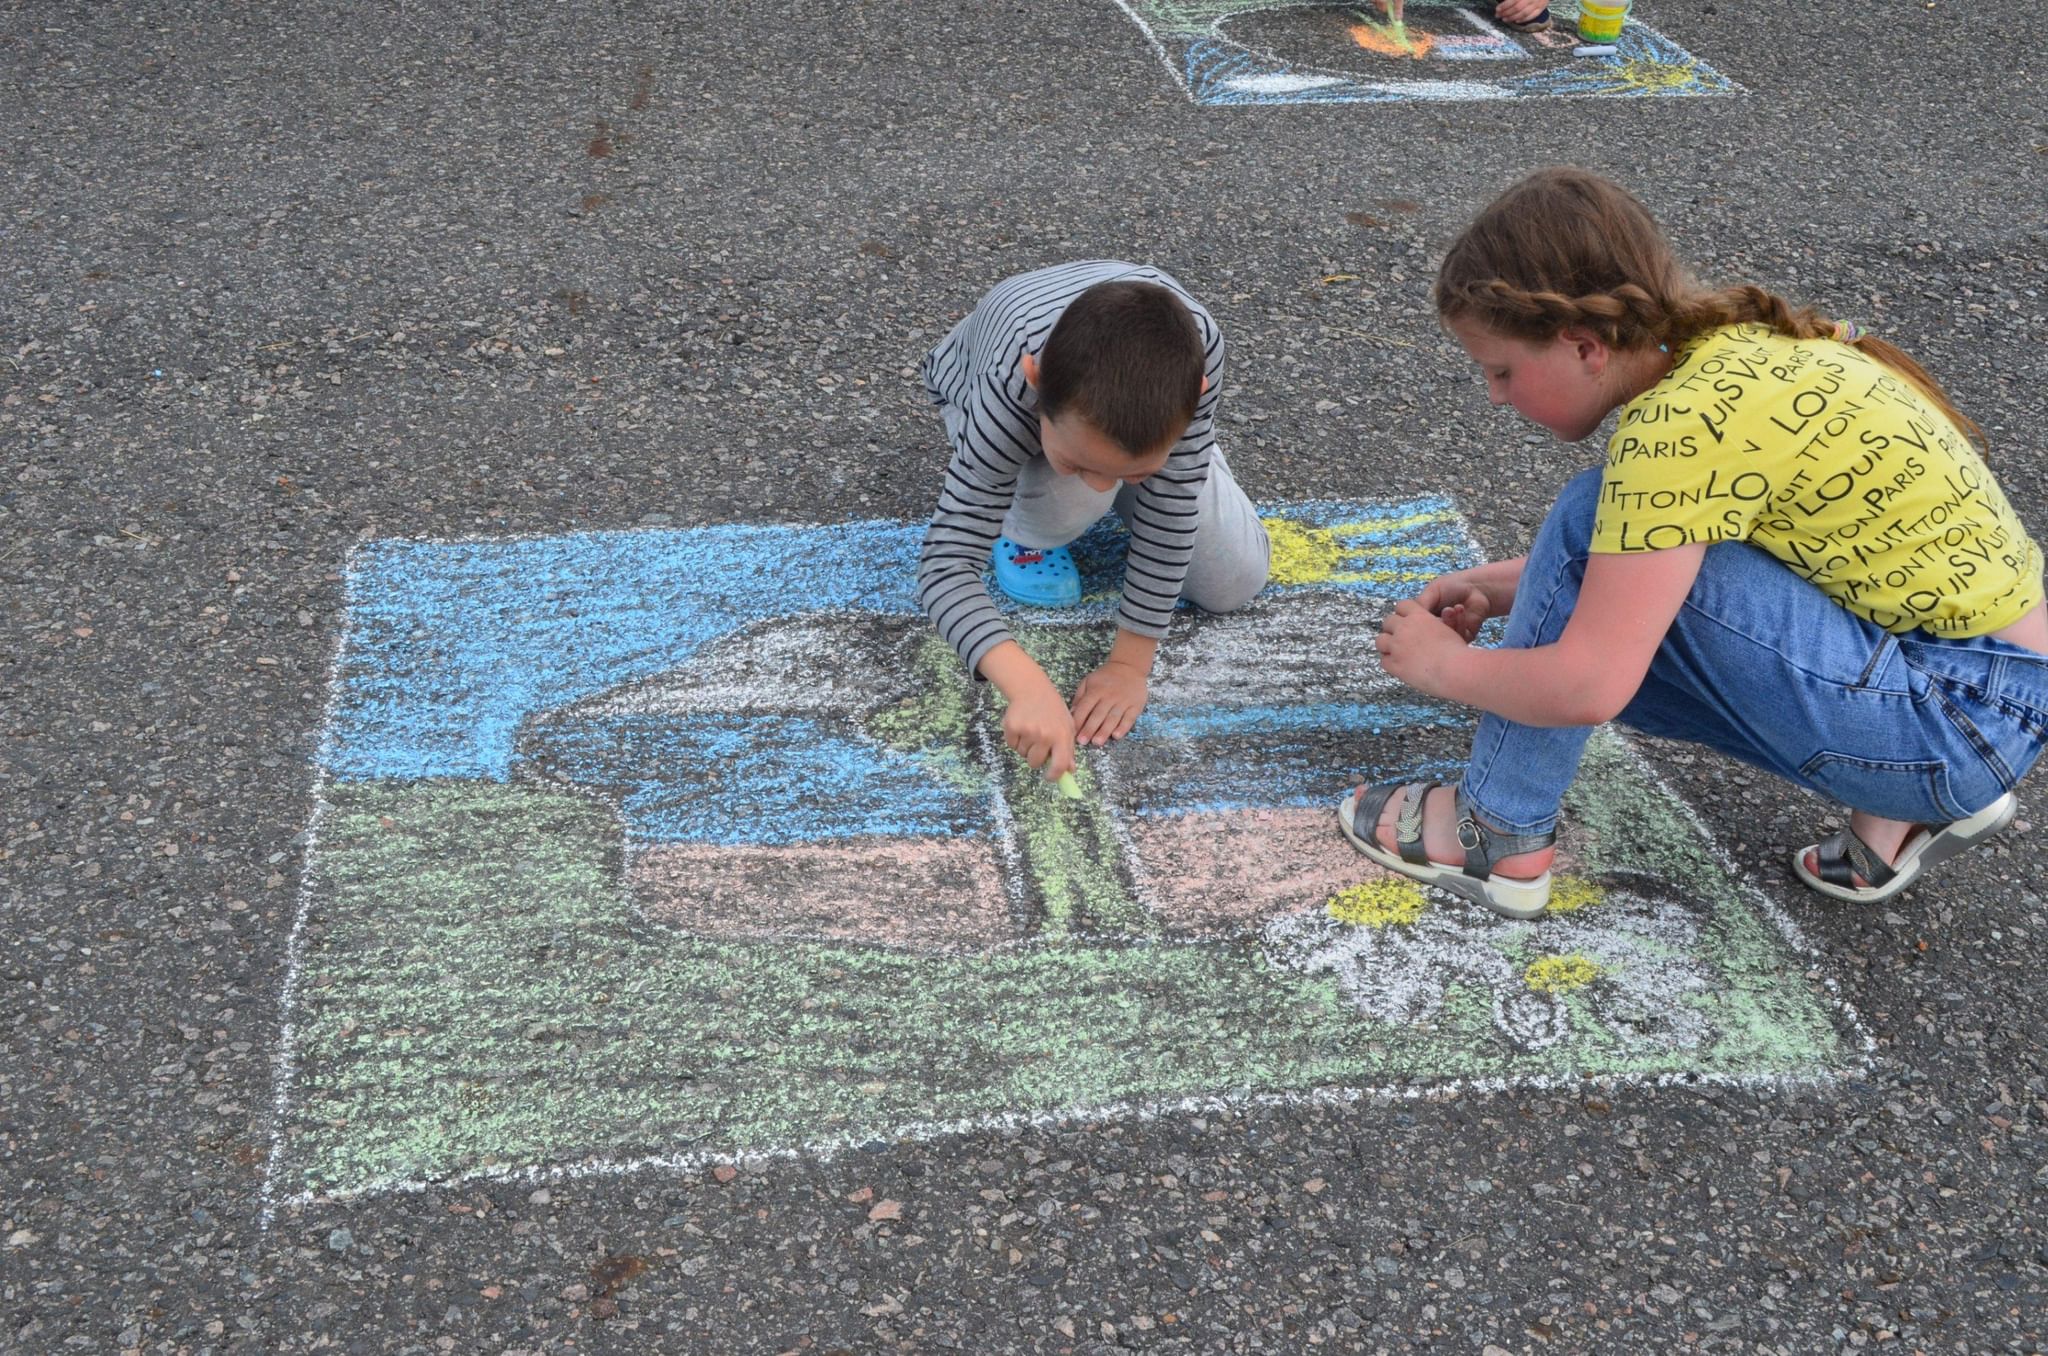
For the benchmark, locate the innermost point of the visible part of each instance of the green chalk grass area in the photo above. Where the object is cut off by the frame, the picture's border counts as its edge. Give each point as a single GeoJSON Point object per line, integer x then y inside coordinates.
{"type": "Point", "coordinates": [477, 992]}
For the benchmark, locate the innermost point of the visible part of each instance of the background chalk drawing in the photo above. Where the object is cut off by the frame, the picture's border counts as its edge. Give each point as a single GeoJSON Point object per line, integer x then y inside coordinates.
{"type": "Point", "coordinates": [1289, 52]}
{"type": "Point", "coordinates": [657, 843]}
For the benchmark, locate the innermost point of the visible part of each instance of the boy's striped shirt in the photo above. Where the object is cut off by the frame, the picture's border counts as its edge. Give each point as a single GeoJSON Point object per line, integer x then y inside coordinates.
{"type": "Point", "coordinates": [976, 376]}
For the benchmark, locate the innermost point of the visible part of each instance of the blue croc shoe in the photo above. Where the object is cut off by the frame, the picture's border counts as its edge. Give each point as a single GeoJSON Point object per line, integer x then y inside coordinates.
{"type": "Point", "coordinates": [1040, 578]}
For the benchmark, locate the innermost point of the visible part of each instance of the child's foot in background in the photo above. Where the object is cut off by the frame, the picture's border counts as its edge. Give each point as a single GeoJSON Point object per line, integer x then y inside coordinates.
{"type": "Point", "coordinates": [1519, 16]}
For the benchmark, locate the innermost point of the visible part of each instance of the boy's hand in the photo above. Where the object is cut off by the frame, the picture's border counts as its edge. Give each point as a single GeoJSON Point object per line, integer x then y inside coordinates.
{"type": "Point", "coordinates": [1418, 647]}
{"type": "Point", "coordinates": [1108, 702]}
{"type": "Point", "coordinates": [1038, 727]}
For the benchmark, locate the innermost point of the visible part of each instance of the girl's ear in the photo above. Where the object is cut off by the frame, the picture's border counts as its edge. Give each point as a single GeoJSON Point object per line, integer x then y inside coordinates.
{"type": "Point", "coordinates": [1588, 347]}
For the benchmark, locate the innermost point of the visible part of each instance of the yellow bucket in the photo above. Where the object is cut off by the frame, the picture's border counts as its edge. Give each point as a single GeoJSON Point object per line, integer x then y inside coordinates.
{"type": "Point", "coordinates": [1601, 20]}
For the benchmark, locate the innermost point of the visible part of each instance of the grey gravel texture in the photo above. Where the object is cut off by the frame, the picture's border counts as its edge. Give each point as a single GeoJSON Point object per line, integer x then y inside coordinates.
{"type": "Point", "coordinates": [279, 278]}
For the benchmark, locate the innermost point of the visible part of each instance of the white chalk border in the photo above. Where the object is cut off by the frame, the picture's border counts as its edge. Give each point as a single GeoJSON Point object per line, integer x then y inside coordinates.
{"type": "Point", "coordinates": [825, 1148]}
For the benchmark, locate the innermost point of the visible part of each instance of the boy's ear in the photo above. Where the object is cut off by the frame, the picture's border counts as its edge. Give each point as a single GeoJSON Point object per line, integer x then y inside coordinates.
{"type": "Point", "coordinates": [1030, 366]}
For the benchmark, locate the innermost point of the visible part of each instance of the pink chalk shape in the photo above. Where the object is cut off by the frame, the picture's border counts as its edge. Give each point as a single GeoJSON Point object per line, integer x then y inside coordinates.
{"type": "Point", "coordinates": [1230, 871]}
{"type": "Point", "coordinates": [925, 894]}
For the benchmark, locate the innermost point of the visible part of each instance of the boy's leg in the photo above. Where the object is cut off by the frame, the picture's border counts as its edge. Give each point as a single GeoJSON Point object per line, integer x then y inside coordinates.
{"type": "Point", "coordinates": [1050, 509]}
{"type": "Point", "coordinates": [1232, 554]}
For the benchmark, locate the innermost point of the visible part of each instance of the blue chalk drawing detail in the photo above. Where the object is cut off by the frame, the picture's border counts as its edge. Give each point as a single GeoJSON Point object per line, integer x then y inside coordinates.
{"type": "Point", "coordinates": [1216, 68]}
{"type": "Point", "coordinates": [453, 644]}
{"type": "Point", "coordinates": [681, 780]}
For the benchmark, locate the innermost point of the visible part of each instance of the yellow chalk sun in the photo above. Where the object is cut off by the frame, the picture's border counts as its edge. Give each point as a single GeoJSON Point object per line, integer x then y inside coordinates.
{"type": "Point", "coordinates": [1324, 555]}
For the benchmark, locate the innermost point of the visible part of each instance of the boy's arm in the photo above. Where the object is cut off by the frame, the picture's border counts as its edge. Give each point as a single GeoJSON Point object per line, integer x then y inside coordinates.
{"type": "Point", "coordinates": [980, 484]}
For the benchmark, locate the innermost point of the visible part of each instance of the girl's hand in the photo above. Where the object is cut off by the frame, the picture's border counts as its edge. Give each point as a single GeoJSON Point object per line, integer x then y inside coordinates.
{"type": "Point", "coordinates": [1457, 602]}
{"type": "Point", "coordinates": [1038, 727]}
{"type": "Point", "coordinates": [1419, 647]}
{"type": "Point", "coordinates": [1108, 702]}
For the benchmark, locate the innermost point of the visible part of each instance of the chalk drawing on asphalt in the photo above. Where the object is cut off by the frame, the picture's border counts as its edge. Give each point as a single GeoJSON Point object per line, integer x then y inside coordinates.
{"type": "Point", "coordinates": [1288, 51]}
{"type": "Point", "coordinates": [667, 846]}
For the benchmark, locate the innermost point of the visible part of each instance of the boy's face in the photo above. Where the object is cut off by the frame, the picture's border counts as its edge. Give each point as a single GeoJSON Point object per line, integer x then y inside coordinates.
{"type": "Point", "coordinates": [1075, 447]}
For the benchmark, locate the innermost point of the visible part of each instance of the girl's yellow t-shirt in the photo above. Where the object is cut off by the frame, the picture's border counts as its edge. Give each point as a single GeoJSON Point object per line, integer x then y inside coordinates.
{"type": "Point", "coordinates": [1833, 463]}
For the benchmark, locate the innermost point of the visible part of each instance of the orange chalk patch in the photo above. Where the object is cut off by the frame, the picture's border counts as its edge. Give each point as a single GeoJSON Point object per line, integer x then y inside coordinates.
{"type": "Point", "coordinates": [1229, 872]}
{"type": "Point", "coordinates": [1395, 42]}
{"type": "Point", "coordinates": [927, 894]}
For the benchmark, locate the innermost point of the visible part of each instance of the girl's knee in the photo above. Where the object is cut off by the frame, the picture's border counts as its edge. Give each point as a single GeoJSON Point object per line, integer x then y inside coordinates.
{"type": "Point", "coordinates": [1579, 500]}
{"type": "Point", "coordinates": [1571, 518]}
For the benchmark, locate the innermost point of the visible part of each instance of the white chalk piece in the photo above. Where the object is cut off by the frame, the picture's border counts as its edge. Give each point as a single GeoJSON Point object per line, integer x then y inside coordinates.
{"type": "Point", "coordinates": [1596, 49]}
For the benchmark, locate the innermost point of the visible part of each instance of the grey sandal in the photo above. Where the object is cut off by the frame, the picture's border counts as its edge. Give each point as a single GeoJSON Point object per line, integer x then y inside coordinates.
{"type": "Point", "coordinates": [1843, 856]}
{"type": "Point", "coordinates": [1484, 845]}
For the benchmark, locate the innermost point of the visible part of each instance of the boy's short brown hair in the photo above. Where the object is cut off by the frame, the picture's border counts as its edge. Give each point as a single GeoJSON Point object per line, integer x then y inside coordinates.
{"type": "Point", "coordinates": [1128, 358]}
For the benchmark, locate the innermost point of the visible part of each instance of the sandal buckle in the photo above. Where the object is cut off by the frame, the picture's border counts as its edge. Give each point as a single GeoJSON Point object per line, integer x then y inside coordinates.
{"type": "Point", "coordinates": [1468, 834]}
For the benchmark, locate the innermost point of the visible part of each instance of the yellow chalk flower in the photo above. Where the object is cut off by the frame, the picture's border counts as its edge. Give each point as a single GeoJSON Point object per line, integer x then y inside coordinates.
{"type": "Point", "coordinates": [1568, 894]}
{"type": "Point", "coordinates": [1560, 974]}
{"type": "Point", "coordinates": [1377, 903]}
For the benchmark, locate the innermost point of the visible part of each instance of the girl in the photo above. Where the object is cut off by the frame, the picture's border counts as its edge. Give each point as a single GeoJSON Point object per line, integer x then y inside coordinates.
{"type": "Point", "coordinates": [1793, 554]}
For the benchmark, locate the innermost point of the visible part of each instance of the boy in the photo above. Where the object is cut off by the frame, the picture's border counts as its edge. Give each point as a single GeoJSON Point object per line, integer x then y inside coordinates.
{"type": "Point", "coordinates": [1068, 393]}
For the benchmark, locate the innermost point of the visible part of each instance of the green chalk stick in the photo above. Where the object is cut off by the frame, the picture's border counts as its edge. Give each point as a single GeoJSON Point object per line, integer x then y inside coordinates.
{"type": "Point", "coordinates": [1069, 788]}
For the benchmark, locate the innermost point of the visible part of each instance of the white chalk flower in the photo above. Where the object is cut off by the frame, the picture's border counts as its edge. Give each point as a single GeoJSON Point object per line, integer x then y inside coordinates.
{"type": "Point", "coordinates": [1625, 950]}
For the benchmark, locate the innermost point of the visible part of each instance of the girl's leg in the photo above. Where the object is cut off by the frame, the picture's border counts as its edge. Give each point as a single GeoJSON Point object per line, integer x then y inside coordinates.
{"type": "Point", "coordinates": [1761, 665]}
{"type": "Point", "coordinates": [1904, 731]}
{"type": "Point", "coordinates": [1232, 555]}
{"type": "Point", "coordinates": [1524, 17]}
{"type": "Point", "coordinates": [1518, 774]}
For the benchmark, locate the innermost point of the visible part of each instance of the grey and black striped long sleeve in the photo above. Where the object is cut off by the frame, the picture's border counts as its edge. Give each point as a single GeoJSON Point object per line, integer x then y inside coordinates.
{"type": "Point", "coordinates": [975, 375]}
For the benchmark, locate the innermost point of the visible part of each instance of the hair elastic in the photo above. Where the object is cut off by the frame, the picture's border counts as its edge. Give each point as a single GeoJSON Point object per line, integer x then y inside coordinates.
{"type": "Point", "coordinates": [1848, 331]}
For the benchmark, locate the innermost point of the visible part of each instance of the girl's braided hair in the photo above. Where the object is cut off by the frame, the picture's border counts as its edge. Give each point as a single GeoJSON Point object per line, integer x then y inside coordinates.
{"type": "Point", "coordinates": [1567, 249]}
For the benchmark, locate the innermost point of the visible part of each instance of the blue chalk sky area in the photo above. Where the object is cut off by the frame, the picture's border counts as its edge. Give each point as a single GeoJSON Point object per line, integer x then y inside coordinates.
{"type": "Point", "coordinates": [452, 648]}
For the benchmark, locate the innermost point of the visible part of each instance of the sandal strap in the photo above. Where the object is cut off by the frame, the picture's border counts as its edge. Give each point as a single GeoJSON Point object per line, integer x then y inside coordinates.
{"type": "Point", "coordinates": [1372, 803]}
{"type": "Point", "coordinates": [1408, 824]}
{"type": "Point", "coordinates": [1484, 845]}
{"type": "Point", "coordinates": [1844, 856]}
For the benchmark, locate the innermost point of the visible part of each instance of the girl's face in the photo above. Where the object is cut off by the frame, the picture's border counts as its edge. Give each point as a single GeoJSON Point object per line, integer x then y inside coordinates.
{"type": "Point", "coordinates": [1559, 384]}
